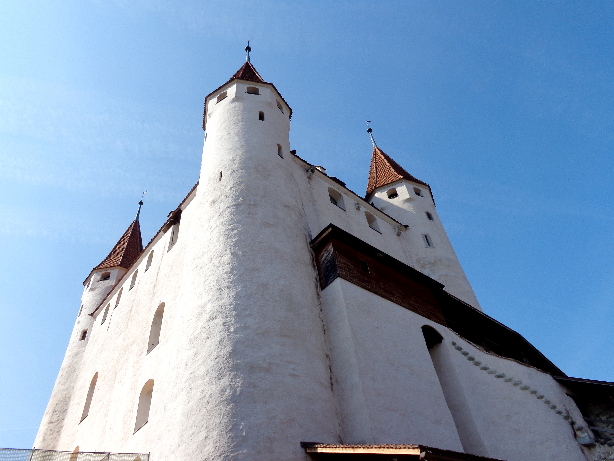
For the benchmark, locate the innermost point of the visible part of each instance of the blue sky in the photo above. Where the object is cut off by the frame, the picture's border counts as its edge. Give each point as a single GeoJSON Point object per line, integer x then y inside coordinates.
{"type": "Point", "coordinates": [505, 108]}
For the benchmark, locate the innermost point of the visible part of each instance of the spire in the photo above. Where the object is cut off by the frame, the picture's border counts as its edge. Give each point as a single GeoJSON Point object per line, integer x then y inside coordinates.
{"type": "Point", "coordinates": [247, 72]}
{"type": "Point", "coordinates": [247, 50]}
{"type": "Point", "coordinates": [384, 171]}
{"type": "Point", "coordinates": [127, 249]}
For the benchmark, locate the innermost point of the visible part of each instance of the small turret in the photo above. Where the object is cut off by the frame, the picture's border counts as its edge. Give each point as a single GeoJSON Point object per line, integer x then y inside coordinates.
{"type": "Point", "coordinates": [410, 201]}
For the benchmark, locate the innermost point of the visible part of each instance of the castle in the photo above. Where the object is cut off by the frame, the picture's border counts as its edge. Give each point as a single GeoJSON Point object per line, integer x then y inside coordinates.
{"type": "Point", "coordinates": [278, 315]}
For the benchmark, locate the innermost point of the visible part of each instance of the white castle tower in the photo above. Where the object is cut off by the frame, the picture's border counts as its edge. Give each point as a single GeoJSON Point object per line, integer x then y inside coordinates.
{"type": "Point", "coordinates": [278, 315]}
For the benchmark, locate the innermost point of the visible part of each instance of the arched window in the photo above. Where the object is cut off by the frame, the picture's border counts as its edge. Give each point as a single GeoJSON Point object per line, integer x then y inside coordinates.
{"type": "Point", "coordinates": [392, 193]}
{"type": "Point", "coordinates": [104, 315]}
{"type": "Point", "coordinates": [133, 281]}
{"type": "Point", "coordinates": [372, 221]}
{"type": "Point", "coordinates": [142, 413]}
{"type": "Point", "coordinates": [336, 198]}
{"type": "Point", "coordinates": [280, 151]}
{"type": "Point", "coordinates": [149, 259]}
{"type": "Point", "coordinates": [156, 327]}
{"type": "Point", "coordinates": [88, 399]}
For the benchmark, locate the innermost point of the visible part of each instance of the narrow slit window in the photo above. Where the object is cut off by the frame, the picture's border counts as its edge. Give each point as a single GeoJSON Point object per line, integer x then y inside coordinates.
{"type": "Point", "coordinates": [104, 315]}
{"type": "Point", "coordinates": [418, 191]}
{"type": "Point", "coordinates": [261, 116]}
{"type": "Point", "coordinates": [252, 90]}
{"type": "Point", "coordinates": [88, 399]}
{"type": "Point", "coordinates": [280, 107]}
{"type": "Point", "coordinates": [221, 96]}
{"type": "Point", "coordinates": [220, 176]}
{"type": "Point", "coordinates": [336, 198]}
{"type": "Point", "coordinates": [280, 151]}
{"type": "Point", "coordinates": [119, 296]}
{"type": "Point", "coordinates": [174, 236]}
{"type": "Point", "coordinates": [133, 281]}
{"type": "Point", "coordinates": [142, 413]}
{"type": "Point", "coordinates": [392, 193]}
{"type": "Point", "coordinates": [83, 335]}
{"type": "Point", "coordinates": [428, 242]}
{"type": "Point", "coordinates": [372, 221]}
{"type": "Point", "coordinates": [429, 216]}
{"type": "Point", "coordinates": [149, 259]}
{"type": "Point", "coordinates": [364, 266]}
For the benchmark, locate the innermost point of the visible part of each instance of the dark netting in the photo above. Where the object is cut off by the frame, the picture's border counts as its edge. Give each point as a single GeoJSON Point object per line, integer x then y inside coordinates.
{"type": "Point", "coordinates": [13, 454]}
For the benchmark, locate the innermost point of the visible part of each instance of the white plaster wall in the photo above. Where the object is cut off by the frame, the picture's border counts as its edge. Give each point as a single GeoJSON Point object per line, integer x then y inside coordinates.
{"type": "Point", "coordinates": [385, 381]}
{"type": "Point", "coordinates": [440, 261]}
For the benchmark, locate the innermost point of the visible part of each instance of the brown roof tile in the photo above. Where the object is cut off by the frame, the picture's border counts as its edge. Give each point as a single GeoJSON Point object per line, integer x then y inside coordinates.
{"type": "Point", "coordinates": [126, 250]}
{"type": "Point", "coordinates": [384, 171]}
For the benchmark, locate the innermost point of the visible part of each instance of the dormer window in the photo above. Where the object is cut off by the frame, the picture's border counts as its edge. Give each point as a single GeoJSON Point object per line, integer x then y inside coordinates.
{"type": "Point", "coordinates": [221, 96]}
{"type": "Point", "coordinates": [372, 221]}
{"type": "Point", "coordinates": [280, 107]}
{"type": "Point", "coordinates": [253, 90]}
{"type": "Point", "coordinates": [392, 193]}
{"type": "Point", "coordinates": [105, 276]}
{"type": "Point", "coordinates": [336, 198]}
{"type": "Point", "coordinates": [418, 192]}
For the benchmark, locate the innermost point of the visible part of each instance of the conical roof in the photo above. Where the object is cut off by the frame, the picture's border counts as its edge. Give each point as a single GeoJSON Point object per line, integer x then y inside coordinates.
{"type": "Point", "coordinates": [126, 250]}
{"type": "Point", "coordinates": [384, 171]}
{"type": "Point", "coordinates": [247, 72]}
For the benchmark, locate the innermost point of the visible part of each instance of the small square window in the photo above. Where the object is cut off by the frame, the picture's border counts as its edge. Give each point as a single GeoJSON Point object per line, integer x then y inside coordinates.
{"type": "Point", "coordinates": [261, 116]}
{"type": "Point", "coordinates": [252, 90]}
{"type": "Point", "coordinates": [418, 191]}
{"type": "Point", "coordinates": [222, 96]}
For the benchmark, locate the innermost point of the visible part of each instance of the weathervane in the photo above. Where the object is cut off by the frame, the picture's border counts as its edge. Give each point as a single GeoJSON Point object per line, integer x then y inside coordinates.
{"type": "Point", "coordinates": [138, 212]}
{"type": "Point", "coordinates": [247, 50]}
{"type": "Point", "coordinates": [370, 131]}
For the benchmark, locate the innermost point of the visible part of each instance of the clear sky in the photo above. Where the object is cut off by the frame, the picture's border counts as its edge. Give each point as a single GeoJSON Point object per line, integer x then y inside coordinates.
{"type": "Point", "coordinates": [505, 108]}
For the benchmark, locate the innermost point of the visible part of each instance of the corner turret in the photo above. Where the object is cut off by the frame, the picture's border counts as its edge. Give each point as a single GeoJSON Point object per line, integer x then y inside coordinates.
{"type": "Point", "coordinates": [410, 201]}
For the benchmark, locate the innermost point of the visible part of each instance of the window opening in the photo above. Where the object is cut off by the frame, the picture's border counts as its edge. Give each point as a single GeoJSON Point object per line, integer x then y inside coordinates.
{"type": "Point", "coordinates": [119, 296]}
{"type": "Point", "coordinates": [418, 191]}
{"type": "Point", "coordinates": [105, 276]}
{"type": "Point", "coordinates": [90, 395]}
{"type": "Point", "coordinates": [280, 107]}
{"type": "Point", "coordinates": [106, 312]}
{"type": "Point", "coordinates": [83, 335]}
{"type": "Point", "coordinates": [149, 259]}
{"type": "Point", "coordinates": [336, 198]}
{"type": "Point", "coordinates": [364, 266]}
{"type": "Point", "coordinates": [133, 281]}
{"type": "Point", "coordinates": [174, 236]}
{"type": "Point", "coordinates": [427, 240]}
{"type": "Point", "coordinates": [372, 221]}
{"type": "Point", "coordinates": [430, 216]}
{"type": "Point", "coordinates": [253, 90]}
{"type": "Point", "coordinates": [261, 116]}
{"type": "Point", "coordinates": [222, 96]}
{"type": "Point", "coordinates": [220, 176]}
{"type": "Point", "coordinates": [142, 413]}
{"type": "Point", "coordinates": [156, 327]}
{"type": "Point", "coordinates": [392, 193]}
{"type": "Point", "coordinates": [280, 151]}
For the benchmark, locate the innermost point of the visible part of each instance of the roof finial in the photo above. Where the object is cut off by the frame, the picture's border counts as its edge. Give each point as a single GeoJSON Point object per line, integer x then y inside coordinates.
{"type": "Point", "coordinates": [138, 212]}
{"type": "Point", "coordinates": [247, 50]}
{"type": "Point", "coordinates": [370, 131]}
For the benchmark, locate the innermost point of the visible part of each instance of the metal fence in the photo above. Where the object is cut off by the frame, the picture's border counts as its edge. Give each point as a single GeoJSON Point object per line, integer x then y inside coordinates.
{"type": "Point", "coordinates": [14, 454]}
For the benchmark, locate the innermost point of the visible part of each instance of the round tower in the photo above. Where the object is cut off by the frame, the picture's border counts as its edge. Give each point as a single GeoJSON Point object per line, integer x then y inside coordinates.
{"type": "Point", "coordinates": [101, 280]}
{"type": "Point", "coordinates": [256, 375]}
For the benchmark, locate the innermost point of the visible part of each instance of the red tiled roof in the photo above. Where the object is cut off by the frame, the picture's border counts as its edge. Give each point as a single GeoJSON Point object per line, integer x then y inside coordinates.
{"type": "Point", "coordinates": [126, 250]}
{"type": "Point", "coordinates": [384, 171]}
{"type": "Point", "coordinates": [247, 72]}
